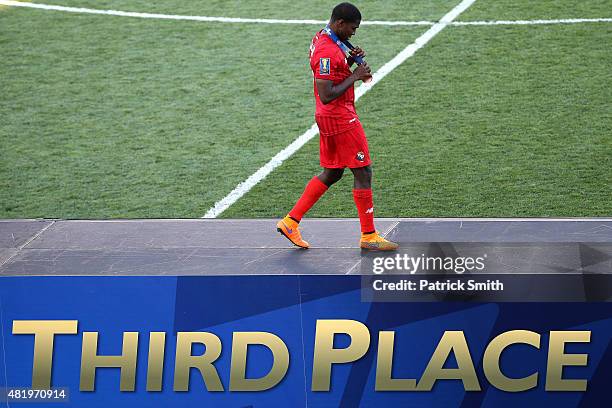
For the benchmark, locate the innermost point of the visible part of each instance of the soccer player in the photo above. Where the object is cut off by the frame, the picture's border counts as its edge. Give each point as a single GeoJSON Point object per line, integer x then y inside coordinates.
{"type": "Point", "coordinates": [342, 139]}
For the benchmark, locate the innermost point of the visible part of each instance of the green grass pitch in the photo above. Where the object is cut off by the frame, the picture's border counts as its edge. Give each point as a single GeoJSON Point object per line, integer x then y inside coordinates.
{"type": "Point", "coordinates": [114, 117]}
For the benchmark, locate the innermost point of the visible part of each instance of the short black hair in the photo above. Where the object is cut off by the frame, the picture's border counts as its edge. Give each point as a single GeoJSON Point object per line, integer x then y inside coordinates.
{"type": "Point", "coordinates": [346, 12]}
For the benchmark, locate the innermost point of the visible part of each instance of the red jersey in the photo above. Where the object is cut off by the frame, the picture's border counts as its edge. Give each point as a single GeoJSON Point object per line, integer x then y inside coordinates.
{"type": "Point", "coordinates": [328, 61]}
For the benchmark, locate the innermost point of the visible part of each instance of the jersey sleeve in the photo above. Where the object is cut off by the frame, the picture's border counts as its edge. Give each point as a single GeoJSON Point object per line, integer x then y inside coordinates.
{"type": "Point", "coordinates": [325, 62]}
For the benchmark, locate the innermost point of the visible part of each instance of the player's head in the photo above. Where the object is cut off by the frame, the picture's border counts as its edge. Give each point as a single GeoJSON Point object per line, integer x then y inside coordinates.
{"type": "Point", "coordinates": [345, 20]}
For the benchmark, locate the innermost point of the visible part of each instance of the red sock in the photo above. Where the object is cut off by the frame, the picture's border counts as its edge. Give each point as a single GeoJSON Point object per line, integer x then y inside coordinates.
{"type": "Point", "coordinates": [313, 191]}
{"type": "Point", "coordinates": [365, 208]}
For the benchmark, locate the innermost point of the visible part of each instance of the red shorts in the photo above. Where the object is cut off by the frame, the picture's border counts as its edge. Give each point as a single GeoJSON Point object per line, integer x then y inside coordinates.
{"type": "Point", "coordinates": [346, 149]}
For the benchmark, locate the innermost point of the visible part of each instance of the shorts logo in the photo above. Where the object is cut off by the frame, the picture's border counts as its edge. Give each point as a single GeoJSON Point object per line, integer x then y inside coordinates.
{"type": "Point", "coordinates": [324, 66]}
{"type": "Point", "coordinates": [360, 156]}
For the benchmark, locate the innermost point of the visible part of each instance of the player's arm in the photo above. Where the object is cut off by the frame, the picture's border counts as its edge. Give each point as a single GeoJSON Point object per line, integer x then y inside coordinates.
{"type": "Point", "coordinates": [328, 91]}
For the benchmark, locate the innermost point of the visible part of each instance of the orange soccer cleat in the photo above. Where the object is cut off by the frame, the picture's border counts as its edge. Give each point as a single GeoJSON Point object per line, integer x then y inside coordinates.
{"type": "Point", "coordinates": [289, 228]}
{"type": "Point", "coordinates": [375, 242]}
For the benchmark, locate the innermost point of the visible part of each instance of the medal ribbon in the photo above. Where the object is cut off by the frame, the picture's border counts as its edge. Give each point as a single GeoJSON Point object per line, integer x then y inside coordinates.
{"type": "Point", "coordinates": [345, 46]}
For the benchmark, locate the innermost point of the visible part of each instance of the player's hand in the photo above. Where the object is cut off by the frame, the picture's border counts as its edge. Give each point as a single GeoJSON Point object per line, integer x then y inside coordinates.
{"type": "Point", "coordinates": [362, 72]}
{"type": "Point", "coordinates": [357, 52]}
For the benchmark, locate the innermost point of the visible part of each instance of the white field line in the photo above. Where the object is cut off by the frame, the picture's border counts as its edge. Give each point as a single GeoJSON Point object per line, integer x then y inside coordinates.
{"type": "Point", "coordinates": [533, 22]}
{"type": "Point", "coordinates": [282, 21]}
{"type": "Point", "coordinates": [194, 18]}
{"type": "Point", "coordinates": [244, 187]}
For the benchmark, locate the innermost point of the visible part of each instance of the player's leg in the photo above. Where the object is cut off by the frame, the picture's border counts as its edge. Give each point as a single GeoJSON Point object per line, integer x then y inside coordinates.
{"type": "Point", "coordinates": [330, 176]}
{"type": "Point", "coordinates": [315, 188]}
{"type": "Point", "coordinates": [362, 194]}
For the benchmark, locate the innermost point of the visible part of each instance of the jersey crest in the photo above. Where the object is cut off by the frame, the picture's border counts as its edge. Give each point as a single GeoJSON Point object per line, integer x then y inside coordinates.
{"type": "Point", "coordinates": [324, 66]}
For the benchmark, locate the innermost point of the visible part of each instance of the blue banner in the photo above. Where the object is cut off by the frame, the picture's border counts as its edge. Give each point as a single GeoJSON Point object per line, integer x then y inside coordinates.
{"type": "Point", "coordinates": [290, 307]}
